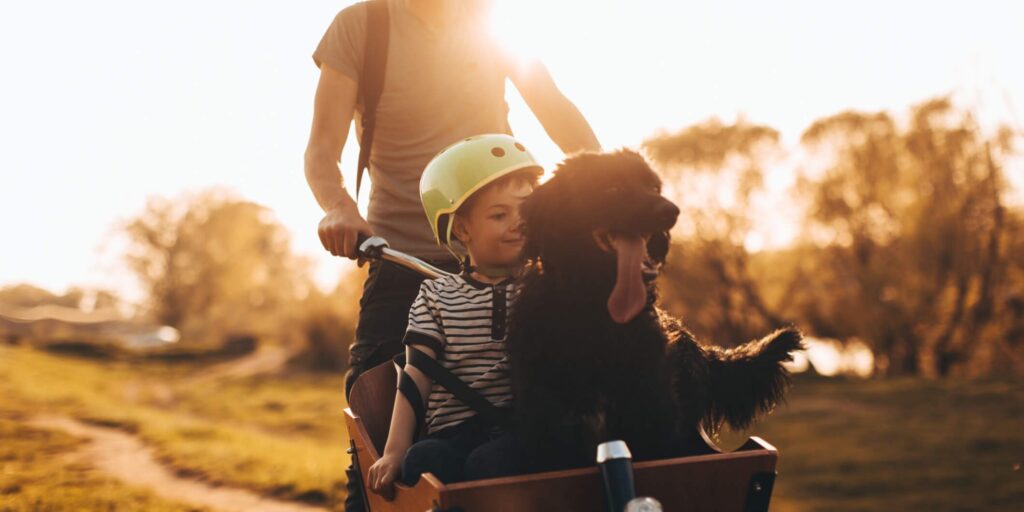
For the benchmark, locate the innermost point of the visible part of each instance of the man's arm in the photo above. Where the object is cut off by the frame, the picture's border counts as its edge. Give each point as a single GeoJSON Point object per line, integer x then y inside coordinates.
{"type": "Point", "coordinates": [562, 121]}
{"type": "Point", "coordinates": [332, 114]}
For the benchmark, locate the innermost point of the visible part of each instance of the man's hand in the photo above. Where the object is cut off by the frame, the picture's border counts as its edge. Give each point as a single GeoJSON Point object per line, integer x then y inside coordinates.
{"type": "Point", "coordinates": [332, 115]}
{"type": "Point", "coordinates": [383, 473]}
{"type": "Point", "coordinates": [340, 228]}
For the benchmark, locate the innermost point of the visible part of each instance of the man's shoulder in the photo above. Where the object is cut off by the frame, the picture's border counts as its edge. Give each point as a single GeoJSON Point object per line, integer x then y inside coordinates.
{"type": "Point", "coordinates": [341, 47]}
{"type": "Point", "coordinates": [356, 13]}
{"type": "Point", "coordinates": [352, 17]}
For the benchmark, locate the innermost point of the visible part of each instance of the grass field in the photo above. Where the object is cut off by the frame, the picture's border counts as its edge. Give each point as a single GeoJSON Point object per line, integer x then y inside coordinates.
{"type": "Point", "coordinates": [898, 445]}
{"type": "Point", "coordinates": [282, 437]}
{"type": "Point", "coordinates": [845, 445]}
{"type": "Point", "coordinates": [39, 474]}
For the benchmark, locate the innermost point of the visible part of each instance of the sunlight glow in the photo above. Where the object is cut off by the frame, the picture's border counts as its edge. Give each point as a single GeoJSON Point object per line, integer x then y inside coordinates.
{"type": "Point", "coordinates": [153, 113]}
{"type": "Point", "coordinates": [514, 24]}
{"type": "Point", "coordinates": [830, 357]}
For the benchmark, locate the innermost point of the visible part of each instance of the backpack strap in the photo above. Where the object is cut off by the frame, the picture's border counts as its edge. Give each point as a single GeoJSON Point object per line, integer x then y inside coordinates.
{"type": "Point", "coordinates": [371, 79]}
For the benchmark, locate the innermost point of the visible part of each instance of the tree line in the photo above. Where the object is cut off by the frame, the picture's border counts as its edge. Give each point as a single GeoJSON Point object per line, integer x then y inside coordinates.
{"type": "Point", "coordinates": [905, 241]}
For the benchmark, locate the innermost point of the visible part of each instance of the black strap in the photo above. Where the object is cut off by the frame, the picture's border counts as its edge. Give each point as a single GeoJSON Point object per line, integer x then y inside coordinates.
{"type": "Point", "coordinates": [371, 80]}
{"type": "Point", "coordinates": [411, 392]}
{"type": "Point", "coordinates": [467, 395]}
{"type": "Point", "coordinates": [448, 380]}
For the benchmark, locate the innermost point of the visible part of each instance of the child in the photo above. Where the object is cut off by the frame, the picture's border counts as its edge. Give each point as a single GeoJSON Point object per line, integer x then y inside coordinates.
{"type": "Point", "coordinates": [471, 192]}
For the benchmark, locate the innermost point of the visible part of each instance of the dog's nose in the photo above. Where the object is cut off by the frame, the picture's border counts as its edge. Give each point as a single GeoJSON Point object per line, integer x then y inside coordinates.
{"type": "Point", "coordinates": [666, 213]}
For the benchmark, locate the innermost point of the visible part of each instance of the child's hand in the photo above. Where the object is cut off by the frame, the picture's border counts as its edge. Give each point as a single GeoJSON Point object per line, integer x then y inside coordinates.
{"type": "Point", "coordinates": [383, 473]}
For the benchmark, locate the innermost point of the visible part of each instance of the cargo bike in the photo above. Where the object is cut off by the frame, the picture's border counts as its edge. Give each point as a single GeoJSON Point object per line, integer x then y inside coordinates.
{"type": "Point", "coordinates": [709, 480]}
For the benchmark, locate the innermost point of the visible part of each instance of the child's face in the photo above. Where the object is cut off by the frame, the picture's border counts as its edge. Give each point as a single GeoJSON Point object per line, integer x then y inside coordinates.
{"type": "Point", "coordinates": [490, 230]}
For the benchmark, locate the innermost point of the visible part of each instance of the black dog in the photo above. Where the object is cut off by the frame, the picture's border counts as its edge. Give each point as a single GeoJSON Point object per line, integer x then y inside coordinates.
{"type": "Point", "coordinates": [592, 357]}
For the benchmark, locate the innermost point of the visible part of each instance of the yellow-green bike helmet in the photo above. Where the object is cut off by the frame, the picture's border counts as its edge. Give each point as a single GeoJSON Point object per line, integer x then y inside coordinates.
{"type": "Point", "coordinates": [461, 169]}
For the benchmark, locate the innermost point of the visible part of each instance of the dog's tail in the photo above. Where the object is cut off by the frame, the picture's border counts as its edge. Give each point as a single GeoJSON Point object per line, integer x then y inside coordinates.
{"type": "Point", "coordinates": [749, 380]}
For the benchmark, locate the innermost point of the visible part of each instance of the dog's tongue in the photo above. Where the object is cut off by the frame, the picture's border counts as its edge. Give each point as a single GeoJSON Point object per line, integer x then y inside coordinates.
{"type": "Point", "coordinates": [629, 296]}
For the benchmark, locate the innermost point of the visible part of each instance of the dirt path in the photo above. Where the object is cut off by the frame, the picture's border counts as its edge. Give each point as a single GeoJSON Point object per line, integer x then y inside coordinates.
{"type": "Point", "coordinates": [126, 458]}
{"type": "Point", "coordinates": [266, 359]}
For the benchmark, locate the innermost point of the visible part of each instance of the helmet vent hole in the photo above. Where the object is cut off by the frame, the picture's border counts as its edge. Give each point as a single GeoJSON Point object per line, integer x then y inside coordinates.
{"type": "Point", "coordinates": [498, 152]}
{"type": "Point", "coordinates": [520, 147]}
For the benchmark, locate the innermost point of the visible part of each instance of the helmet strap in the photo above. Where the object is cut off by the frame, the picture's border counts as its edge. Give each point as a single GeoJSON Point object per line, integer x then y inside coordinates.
{"type": "Point", "coordinates": [492, 272]}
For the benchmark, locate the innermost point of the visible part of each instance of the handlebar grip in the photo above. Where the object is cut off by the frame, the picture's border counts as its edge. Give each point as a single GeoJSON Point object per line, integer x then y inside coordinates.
{"type": "Point", "coordinates": [360, 238]}
{"type": "Point", "coordinates": [370, 247]}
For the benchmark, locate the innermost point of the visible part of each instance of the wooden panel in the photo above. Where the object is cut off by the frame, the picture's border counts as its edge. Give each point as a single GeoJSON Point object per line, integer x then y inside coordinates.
{"type": "Point", "coordinates": [372, 399]}
{"type": "Point", "coordinates": [567, 491]}
{"type": "Point", "coordinates": [717, 482]}
{"type": "Point", "coordinates": [421, 497]}
{"type": "Point", "coordinates": [708, 482]}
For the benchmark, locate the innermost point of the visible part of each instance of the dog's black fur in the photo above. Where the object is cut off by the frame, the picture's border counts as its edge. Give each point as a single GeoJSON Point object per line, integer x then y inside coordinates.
{"type": "Point", "coordinates": [580, 378]}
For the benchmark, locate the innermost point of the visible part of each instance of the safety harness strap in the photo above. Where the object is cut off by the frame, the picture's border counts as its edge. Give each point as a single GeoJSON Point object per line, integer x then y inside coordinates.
{"type": "Point", "coordinates": [407, 386]}
{"type": "Point", "coordinates": [442, 376]}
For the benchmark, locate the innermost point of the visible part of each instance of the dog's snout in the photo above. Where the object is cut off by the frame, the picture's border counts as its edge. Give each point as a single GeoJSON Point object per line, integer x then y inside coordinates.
{"type": "Point", "coordinates": [666, 213]}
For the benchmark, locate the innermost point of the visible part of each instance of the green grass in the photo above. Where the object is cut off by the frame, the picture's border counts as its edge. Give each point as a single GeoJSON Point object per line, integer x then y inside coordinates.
{"type": "Point", "coordinates": [898, 445]}
{"type": "Point", "coordinates": [283, 437]}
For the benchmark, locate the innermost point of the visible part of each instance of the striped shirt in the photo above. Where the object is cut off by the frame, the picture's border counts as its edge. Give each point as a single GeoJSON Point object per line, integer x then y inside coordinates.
{"type": "Point", "coordinates": [465, 322]}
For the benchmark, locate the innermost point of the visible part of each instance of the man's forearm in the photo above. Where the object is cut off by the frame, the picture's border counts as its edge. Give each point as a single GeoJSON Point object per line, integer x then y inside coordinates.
{"type": "Point", "coordinates": [569, 129]}
{"type": "Point", "coordinates": [324, 179]}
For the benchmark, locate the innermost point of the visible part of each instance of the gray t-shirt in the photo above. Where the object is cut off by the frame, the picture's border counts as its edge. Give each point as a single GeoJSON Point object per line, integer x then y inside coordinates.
{"type": "Point", "coordinates": [439, 87]}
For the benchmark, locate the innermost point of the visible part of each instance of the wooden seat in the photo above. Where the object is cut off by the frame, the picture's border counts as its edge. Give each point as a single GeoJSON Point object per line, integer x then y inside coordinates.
{"type": "Point", "coordinates": [736, 481]}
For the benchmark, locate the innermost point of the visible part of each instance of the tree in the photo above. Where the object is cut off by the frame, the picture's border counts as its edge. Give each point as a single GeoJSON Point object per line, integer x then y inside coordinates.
{"type": "Point", "coordinates": [912, 225]}
{"type": "Point", "coordinates": [213, 264]}
{"type": "Point", "coordinates": [713, 171]}
{"type": "Point", "coordinates": [327, 322]}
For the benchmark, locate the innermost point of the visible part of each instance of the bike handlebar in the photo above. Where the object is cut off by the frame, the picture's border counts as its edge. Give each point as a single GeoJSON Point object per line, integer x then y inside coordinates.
{"type": "Point", "coordinates": [376, 248]}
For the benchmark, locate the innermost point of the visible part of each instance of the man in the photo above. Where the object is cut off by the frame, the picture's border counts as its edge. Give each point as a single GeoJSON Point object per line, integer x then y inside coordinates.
{"type": "Point", "coordinates": [444, 81]}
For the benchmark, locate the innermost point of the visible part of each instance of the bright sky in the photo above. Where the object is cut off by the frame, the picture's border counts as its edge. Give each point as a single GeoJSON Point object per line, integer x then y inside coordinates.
{"type": "Point", "coordinates": [104, 103]}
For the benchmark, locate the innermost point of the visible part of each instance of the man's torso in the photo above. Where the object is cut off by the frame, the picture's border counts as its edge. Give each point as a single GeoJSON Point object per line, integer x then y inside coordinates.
{"type": "Point", "coordinates": [439, 86]}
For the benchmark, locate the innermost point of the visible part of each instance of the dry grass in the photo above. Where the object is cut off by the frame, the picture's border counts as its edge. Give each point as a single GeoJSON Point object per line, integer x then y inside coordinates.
{"type": "Point", "coordinates": [39, 472]}
{"type": "Point", "coordinates": [283, 437]}
{"type": "Point", "coordinates": [899, 445]}
{"type": "Point", "coordinates": [845, 445]}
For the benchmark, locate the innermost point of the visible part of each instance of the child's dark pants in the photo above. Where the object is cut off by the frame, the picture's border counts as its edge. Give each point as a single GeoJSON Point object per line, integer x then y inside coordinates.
{"type": "Point", "coordinates": [471, 450]}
